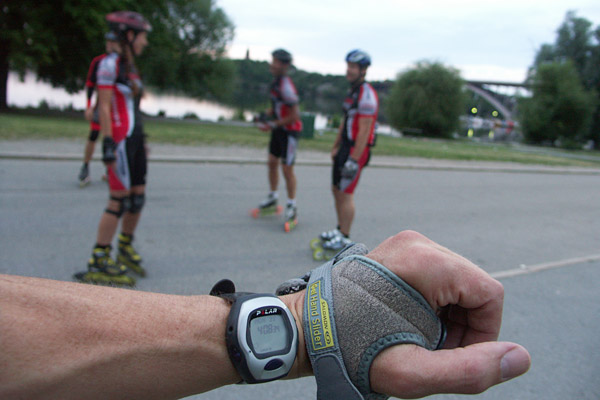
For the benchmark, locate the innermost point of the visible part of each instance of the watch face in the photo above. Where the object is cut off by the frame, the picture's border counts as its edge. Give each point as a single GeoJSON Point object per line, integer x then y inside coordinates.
{"type": "Point", "coordinates": [268, 334]}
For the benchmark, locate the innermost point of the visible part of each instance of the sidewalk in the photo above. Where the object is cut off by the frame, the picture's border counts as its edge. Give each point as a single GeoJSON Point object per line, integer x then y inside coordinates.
{"type": "Point", "coordinates": [72, 150]}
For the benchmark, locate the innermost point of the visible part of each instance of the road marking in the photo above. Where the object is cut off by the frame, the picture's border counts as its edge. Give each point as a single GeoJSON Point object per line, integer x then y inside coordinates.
{"type": "Point", "coordinates": [530, 269]}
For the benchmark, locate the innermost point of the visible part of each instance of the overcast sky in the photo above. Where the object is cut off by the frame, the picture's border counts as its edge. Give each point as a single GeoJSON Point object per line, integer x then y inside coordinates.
{"type": "Point", "coordinates": [485, 40]}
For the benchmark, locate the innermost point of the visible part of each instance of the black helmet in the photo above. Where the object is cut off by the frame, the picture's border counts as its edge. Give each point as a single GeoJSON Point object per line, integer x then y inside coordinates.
{"type": "Point", "coordinates": [123, 21]}
{"type": "Point", "coordinates": [359, 57]}
{"type": "Point", "coordinates": [282, 55]}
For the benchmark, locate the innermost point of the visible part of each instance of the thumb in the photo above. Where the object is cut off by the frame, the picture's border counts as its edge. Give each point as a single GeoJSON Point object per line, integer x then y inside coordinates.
{"type": "Point", "coordinates": [410, 371]}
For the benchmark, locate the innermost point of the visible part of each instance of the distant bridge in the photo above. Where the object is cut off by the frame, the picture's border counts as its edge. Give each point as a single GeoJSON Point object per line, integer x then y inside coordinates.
{"type": "Point", "coordinates": [504, 105]}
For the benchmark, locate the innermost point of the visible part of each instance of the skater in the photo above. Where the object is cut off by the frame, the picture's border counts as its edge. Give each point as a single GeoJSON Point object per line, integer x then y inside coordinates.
{"type": "Point", "coordinates": [285, 126]}
{"type": "Point", "coordinates": [91, 112]}
{"type": "Point", "coordinates": [64, 341]}
{"type": "Point", "coordinates": [351, 150]}
{"type": "Point", "coordinates": [123, 151]}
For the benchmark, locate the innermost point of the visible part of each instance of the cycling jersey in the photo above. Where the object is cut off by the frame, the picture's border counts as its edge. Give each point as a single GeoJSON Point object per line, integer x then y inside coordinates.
{"type": "Point", "coordinates": [90, 85]}
{"type": "Point", "coordinates": [125, 108]}
{"type": "Point", "coordinates": [361, 102]}
{"type": "Point", "coordinates": [283, 98]}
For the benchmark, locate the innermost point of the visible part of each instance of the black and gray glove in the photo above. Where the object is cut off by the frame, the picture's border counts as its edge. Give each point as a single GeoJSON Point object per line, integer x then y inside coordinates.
{"type": "Point", "coordinates": [108, 150]}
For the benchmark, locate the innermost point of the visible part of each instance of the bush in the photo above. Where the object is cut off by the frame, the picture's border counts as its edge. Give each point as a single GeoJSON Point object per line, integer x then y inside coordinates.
{"type": "Point", "coordinates": [429, 97]}
{"type": "Point", "coordinates": [560, 109]}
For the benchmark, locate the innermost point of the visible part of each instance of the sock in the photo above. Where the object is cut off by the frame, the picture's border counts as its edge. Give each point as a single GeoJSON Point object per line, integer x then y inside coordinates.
{"type": "Point", "coordinates": [291, 202]}
{"type": "Point", "coordinates": [274, 195]}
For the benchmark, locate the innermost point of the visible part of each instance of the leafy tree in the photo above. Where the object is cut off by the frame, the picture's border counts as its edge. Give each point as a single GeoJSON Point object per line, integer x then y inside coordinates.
{"type": "Point", "coordinates": [429, 97]}
{"type": "Point", "coordinates": [560, 108]}
{"type": "Point", "coordinates": [577, 42]}
{"type": "Point", "coordinates": [57, 41]}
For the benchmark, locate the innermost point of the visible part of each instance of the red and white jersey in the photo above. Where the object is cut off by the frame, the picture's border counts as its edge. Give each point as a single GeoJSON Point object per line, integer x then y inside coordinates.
{"type": "Point", "coordinates": [283, 97]}
{"type": "Point", "coordinates": [361, 102]}
{"type": "Point", "coordinates": [124, 107]}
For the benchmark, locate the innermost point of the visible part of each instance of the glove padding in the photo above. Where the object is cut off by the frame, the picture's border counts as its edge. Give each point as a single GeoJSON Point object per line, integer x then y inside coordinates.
{"type": "Point", "coordinates": [354, 309]}
{"type": "Point", "coordinates": [108, 150]}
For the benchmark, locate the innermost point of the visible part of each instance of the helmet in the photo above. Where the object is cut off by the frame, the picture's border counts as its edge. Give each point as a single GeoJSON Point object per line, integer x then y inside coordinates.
{"type": "Point", "coordinates": [123, 21]}
{"type": "Point", "coordinates": [359, 57]}
{"type": "Point", "coordinates": [282, 55]}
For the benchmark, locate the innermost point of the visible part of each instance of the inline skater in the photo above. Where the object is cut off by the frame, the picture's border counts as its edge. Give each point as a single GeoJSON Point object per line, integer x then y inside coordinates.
{"type": "Point", "coordinates": [91, 112]}
{"type": "Point", "coordinates": [351, 150]}
{"type": "Point", "coordinates": [123, 151]}
{"type": "Point", "coordinates": [285, 126]}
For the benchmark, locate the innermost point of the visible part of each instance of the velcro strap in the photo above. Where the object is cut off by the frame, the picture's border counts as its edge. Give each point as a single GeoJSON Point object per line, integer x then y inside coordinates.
{"type": "Point", "coordinates": [354, 309]}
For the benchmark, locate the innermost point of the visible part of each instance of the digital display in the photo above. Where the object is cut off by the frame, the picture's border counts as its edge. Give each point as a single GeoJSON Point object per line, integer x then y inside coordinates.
{"type": "Point", "coordinates": [268, 334]}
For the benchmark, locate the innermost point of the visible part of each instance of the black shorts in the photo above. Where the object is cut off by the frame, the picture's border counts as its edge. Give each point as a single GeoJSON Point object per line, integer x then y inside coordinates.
{"type": "Point", "coordinates": [284, 145]}
{"type": "Point", "coordinates": [136, 159]}
{"type": "Point", "coordinates": [338, 163]}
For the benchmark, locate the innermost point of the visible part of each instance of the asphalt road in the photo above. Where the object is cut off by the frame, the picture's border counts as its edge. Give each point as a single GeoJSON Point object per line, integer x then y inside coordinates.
{"type": "Point", "coordinates": [196, 230]}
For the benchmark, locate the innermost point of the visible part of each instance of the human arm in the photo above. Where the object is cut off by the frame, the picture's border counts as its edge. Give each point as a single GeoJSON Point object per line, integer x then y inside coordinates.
{"type": "Point", "coordinates": [338, 141]}
{"type": "Point", "coordinates": [365, 125]}
{"type": "Point", "coordinates": [67, 340]}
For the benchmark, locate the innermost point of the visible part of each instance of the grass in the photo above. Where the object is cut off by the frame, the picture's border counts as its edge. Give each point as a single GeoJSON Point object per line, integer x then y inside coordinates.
{"type": "Point", "coordinates": [16, 126]}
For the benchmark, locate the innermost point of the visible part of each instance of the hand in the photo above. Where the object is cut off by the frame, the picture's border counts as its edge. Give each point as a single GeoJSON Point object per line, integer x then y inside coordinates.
{"type": "Point", "coordinates": [350, 168]}
{"type": "Point", "coordinates": [89, 113]}
{"type": "Point", "coordinates": [108, 150]}
{"type": "Point", "coordinates": [469, 302]}
{"type": "Point", "coordinates": [265, 127]}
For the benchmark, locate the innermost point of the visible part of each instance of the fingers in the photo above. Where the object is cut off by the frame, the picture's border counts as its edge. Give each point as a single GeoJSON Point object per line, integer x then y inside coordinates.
{"type": "Point", "coordinates": [473, 299]}
{"type": "Point", "coordinates": [409, 371]}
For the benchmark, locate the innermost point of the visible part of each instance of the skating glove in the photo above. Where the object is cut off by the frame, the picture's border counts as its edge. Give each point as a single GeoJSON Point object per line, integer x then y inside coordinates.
{"type": "Point", "coordinates": [350, 169]}
{"type": "Point", "coordinates": [354, 308]}
{"type": "Point", "coordinates": [108, 150]}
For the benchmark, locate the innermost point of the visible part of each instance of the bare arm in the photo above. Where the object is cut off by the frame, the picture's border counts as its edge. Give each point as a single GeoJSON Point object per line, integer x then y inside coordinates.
{"type": "Point", "coordinates": [362, 138]}
{"type": "Point", "coordinates": [66, 340]}
{"type": "Point", "coordinates": [104, 104]}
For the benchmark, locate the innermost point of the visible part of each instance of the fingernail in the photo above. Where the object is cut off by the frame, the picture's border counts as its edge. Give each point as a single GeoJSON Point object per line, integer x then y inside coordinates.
{"type": "Point", "coordinates": [514, 363]}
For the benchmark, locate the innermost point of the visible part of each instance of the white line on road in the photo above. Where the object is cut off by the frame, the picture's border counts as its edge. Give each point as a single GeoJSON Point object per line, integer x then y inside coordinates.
{"type": "Point", "coordinates": [530, 269]}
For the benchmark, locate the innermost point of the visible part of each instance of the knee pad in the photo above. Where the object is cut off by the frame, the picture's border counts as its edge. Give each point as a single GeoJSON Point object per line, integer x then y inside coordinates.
{"type": "Point", "coordinates": [354, 309]}
{"type": "Point", "coordinates": [121, 210]}
{"type": "Point", "coordinates": [136, 203]}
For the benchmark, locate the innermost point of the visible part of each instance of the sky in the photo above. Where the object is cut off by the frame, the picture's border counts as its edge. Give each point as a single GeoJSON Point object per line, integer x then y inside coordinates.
{"type": "Point", "coordinates": [484, 40]}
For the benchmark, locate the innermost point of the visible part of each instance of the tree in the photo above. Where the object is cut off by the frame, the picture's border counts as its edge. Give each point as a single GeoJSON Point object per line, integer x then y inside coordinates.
{"type": "Point", "coordinates": [560, 109]}
{"type": "Point", "coordinates": [578, 43]}
{"type": "Point", "coordinates": [429, 97]}
{"type": "Point", "coordinates": [57, 41]}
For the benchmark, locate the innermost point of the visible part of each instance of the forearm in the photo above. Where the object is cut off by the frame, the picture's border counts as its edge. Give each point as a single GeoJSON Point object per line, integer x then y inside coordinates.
{"type": "Point", "coordinates": [292, 117]}
{"type": "Point", "coordinates": [57, 339]}
{"type": "Point", "coordinates": [362, 138]}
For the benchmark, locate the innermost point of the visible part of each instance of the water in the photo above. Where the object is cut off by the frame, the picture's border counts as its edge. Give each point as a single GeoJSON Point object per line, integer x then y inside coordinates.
{"type": "Point", "coordinates": [31, 92]}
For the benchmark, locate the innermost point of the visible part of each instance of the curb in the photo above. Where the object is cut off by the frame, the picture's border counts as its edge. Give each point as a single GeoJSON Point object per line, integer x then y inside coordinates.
{"type": "Point", "coordinates": [512, 168]}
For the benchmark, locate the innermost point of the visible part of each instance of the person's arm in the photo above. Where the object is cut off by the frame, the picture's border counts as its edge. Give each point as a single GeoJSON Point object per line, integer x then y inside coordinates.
{"type": "Point", "coordinates": [362, 138]}
{"type": "Point", "coordinates": [104, 104]}
{"type": "Point", "coordinates": [292, 117]}
{"type": "Point", "coordinates": [338, 140]}
{"type": "Point", "coordinates": [68, 340]}
{"type": "Point", "coordinates": [74, 341]}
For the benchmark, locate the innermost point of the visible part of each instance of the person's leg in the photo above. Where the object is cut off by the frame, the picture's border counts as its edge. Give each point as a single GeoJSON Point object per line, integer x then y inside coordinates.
{"type": "Point", "coordinates": [272, 164]}
{"type": "Point", "coordinates": [290, 180]}
{"type": "Point", "coordinates": [89, 151]}
{"type": "Point", "coordinates": [344, 206]}
{"type": "Point", "coordinates": [109, 221]}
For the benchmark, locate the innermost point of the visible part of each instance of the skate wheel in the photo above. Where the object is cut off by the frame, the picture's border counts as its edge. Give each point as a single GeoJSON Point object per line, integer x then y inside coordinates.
{"type": "Point", "coordinates": [318, 254]}
{"type": "Point", "coordinates": [254, 212]}
{"type": "Point", "coordinates": [286, 227]}
{"type": "Point", "coordinates": [279, 210]}
{"type": "Point", "coordinates": [314, 244]}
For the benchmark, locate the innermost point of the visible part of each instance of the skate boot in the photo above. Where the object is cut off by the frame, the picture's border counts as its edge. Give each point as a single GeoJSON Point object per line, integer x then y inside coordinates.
{"type": "Point", "coordinates": [330, 248]}
{"type": "Point", "coordinates": [102, 269]}
{"type": "Point", "coordinates": [324, 237]}
{"type": "Point", "coordinates": [291, 217]}
{"type": "Point", "coordinates": [128, 256]}
{"type": "Point", "coordinates": [84, 175]}
{"type": "Point", "coordinates": [267, 207]}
